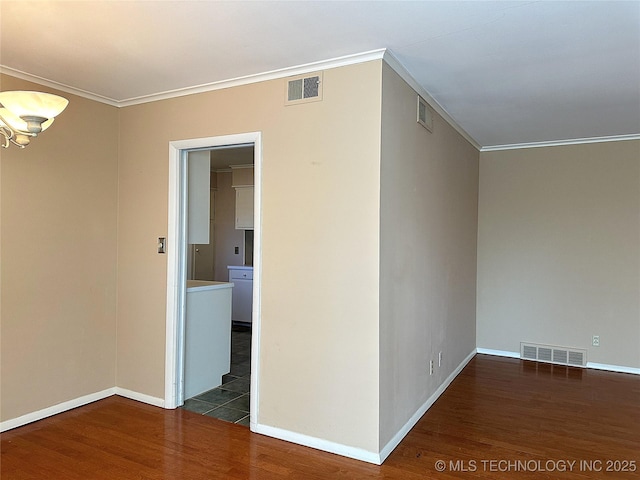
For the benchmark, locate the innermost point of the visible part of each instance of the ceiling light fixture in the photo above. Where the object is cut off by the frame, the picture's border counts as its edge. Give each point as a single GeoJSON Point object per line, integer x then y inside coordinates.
{"type": "Point", "coordinates": [25, 114]}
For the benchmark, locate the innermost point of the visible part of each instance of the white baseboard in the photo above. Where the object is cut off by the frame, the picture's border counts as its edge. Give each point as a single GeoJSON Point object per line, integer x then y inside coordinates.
{"type": "Point", "coordinates": [317, 443]}
{"type": "Point", "coordinates": [613, 368]}
{"type": "Point", "coordinates": [78, 402]}
{"type": "Point", "coordinates": [498, 353]}
{"type": "Point", "coordinates": [140, 397]}
{"type": "Point", "coordinates": [397, 438]}
{"type": "Point", "coordinates": [55, 409]}
{"type": "Point", "coordinates": [595, 366]}
{"type": "Point", "coordinates": [358, 453]}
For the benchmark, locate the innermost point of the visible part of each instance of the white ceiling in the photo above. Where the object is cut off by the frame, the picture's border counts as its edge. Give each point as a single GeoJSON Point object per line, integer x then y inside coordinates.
{"type": "Point", "coordinates": [507, 72]}
{"type": "Point", "coordinates": [224, 157]}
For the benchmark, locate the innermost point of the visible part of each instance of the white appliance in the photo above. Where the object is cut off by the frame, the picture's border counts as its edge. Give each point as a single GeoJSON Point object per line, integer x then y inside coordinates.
{"type": "Point", "coordinates": [242, 298]}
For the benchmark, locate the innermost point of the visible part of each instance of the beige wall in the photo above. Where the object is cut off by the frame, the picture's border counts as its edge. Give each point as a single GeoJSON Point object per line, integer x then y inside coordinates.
{"type": "Point", "coordinates": [559, 249]}
{"type": "Point", "coordinates": [320, 246]}
{"type": "Point", "coordinates": [226, 235]}
{"type": "Point", "coordinates": [369, 251]}
{"type": "Point", "coordinates": [428, 225]}
{"type": "Point", "coordinates": [58, 259]}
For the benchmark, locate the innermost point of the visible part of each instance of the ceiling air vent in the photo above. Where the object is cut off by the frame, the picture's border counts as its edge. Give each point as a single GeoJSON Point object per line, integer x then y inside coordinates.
{"type": "Point", "coordinates": [575, 357]}
{"type": "Point", "coordinates": [304, 88]}
{"type": "Point", "coordinates": [425, 115]}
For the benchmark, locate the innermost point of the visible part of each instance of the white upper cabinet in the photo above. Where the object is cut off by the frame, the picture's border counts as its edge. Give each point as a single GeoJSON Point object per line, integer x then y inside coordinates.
{"type": "Point", "coordinates": [242, 181]}
{"type": "Point", "coordinates": [244, 208]}
{"type": "Point", "coordinates": [199, 177]}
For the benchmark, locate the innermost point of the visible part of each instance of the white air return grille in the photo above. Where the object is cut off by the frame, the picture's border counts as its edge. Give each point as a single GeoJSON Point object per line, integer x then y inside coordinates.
{"type": "Point", "coordinates": [303, 88]}
{"type": "Point", "coordinates": [544, 354]}
{"type": "Point", "coordinates": [575, 357]}
{"type": "Point", "coordinates": [425, 115]}
{"type": "Point", "coordinates": [530, 352]}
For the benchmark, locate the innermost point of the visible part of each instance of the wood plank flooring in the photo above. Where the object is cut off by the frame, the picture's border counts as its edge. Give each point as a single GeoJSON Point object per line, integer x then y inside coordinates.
{"type": "Point", "coordinates": [500, 419]}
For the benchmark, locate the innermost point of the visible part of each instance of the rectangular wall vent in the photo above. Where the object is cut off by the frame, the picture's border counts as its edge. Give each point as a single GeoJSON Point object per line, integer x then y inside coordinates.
{"type": "Point", "coordinates": [303, 88]}
{"type": "Point", "coordinates": [576, 357]}
{"type": "Point", "coordinates": [425, 115]}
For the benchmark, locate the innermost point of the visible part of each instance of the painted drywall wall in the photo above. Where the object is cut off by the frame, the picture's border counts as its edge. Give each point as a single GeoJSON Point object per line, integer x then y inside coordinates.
{"type": "Point", "coordinates": [320, 217]}
{"type": "Point", "coordinates": [428, 225]}
{"type": "Point", "coordinates": [559, 249]}
{"type": "Point", "coordinates": [58, 259]}
{"type": "Point", "coordinates": [226, 235]}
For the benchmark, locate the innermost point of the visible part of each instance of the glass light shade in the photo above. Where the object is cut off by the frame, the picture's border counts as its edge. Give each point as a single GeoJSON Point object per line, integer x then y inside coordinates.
{"type": "Point", "coordinates": [33, 104]}
{"type": "Point", "coordinates": [12, 121]}
{"type": "Point", "coordinates": [22, 140]}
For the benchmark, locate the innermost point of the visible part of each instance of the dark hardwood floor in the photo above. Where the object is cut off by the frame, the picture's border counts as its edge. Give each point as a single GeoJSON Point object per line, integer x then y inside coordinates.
{"type": "Point", "coordinates": [500, 419]}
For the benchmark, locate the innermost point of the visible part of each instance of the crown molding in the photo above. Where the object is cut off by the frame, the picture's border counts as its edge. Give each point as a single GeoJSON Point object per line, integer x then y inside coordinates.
{"type": "Point", "coordinates": [206, 87]}
{"type": "Point", "coordinates": [379, 54]}
{"type": "Point", "coordinates": [401, 70]}
{"type": "Point", "coordinates": [558, 143]}
{"type": "Point", "coordinates": [12, 72]}
{"type": "Point", "coordinates": [260, 77]}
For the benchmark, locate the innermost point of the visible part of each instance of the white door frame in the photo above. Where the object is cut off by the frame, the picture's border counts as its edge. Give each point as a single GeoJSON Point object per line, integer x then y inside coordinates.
{"type": "Point", "coordinates": [177, 257]}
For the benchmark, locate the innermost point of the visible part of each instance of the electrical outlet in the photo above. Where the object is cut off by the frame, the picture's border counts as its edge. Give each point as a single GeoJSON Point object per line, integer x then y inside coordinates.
{"type": "Point", "coordinates": [431, 367]}
{"type": "Point", "coordinates": [440, 359]}
{"type": "Point", "coordinates": [596, 341]}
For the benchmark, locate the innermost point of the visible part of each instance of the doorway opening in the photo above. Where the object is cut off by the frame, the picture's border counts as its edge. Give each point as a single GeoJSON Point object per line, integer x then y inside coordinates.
{"type": "Point", "coordinates": [178, 263]}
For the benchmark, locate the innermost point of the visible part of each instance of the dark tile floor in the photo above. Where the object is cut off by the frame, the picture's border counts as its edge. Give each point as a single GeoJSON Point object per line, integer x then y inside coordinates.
{"type": "Point", "coordinates": [229, 401]}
